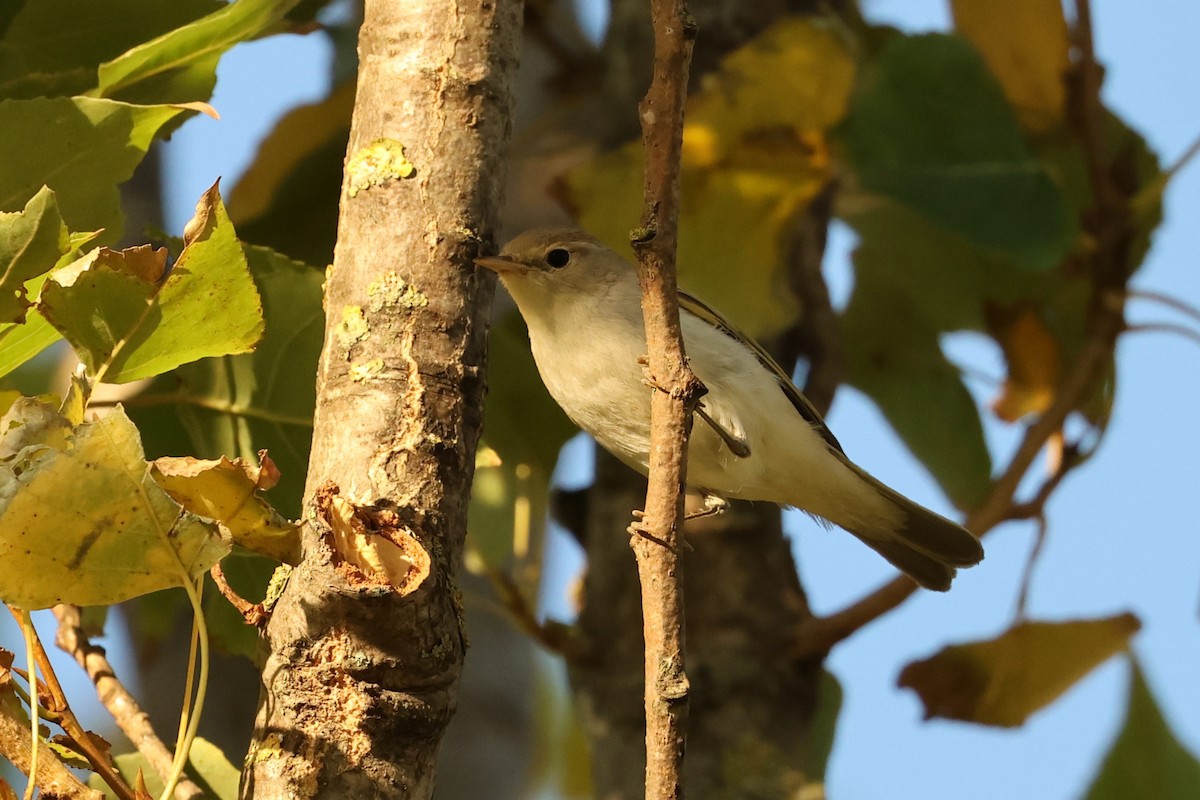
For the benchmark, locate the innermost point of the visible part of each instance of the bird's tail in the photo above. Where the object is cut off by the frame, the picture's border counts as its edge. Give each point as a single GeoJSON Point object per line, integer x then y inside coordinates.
{"type": "Point", "coordinates": [925, 546]}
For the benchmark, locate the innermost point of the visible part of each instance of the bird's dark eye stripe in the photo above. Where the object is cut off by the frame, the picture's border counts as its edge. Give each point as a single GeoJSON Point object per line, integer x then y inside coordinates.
{"type": "Point", "coordinates": [558, 257]}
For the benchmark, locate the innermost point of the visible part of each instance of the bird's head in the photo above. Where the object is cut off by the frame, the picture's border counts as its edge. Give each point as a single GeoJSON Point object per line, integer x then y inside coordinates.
{"type": "Point", "coordinates": [543, 266]}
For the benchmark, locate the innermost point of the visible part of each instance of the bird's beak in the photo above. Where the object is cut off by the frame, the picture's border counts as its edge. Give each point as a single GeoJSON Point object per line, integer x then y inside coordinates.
{"type": "Point", "coordinates": [501, 265]}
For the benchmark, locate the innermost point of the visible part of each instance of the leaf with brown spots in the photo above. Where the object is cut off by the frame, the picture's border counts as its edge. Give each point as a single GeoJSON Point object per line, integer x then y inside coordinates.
{"type": "Point", "coordinates": [119, 536]}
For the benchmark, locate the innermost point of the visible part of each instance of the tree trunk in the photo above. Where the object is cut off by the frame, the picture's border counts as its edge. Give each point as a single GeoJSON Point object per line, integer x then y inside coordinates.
{"type": "Point", "coordinates": [361, 677]}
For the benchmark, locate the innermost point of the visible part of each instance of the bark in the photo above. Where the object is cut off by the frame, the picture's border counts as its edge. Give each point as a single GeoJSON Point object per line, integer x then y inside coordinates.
{"type": "Point", "coordinates": [54, 780]}
{"type": "Point", "coordinates": [361, 677]}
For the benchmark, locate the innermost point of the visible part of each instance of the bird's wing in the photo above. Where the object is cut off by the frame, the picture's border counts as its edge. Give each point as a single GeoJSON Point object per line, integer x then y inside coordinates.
{"type": "Point", "coordinates": [699, 309]}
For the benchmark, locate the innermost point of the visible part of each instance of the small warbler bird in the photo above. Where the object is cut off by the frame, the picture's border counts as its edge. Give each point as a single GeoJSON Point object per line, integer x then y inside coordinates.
{"type": "Point", "coordinates": [757, 437]}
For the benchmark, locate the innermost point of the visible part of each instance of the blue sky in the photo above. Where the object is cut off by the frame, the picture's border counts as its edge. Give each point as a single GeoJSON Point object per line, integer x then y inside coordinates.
{"type": "Point", "coordinates": [1123, 530]}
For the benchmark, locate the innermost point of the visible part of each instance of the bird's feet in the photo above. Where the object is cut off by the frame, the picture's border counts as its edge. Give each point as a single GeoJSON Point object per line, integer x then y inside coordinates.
{"type": "Point", "coordinates": [713, 505]}
{"type": "Point", "coordinates": [647, 377]}
{"type": "Point", "coordinates": [637, 528]}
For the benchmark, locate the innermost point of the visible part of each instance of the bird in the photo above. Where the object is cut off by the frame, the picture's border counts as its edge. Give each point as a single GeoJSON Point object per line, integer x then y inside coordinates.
{"type": "Point", "coordinates": [757, 437]}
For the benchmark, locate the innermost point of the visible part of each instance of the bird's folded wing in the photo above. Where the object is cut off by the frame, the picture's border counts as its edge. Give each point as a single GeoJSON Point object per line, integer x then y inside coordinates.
{"type": "Point", "coordinates": [724, 421]}
{"type": "Point", "coordinates": [697, 308]}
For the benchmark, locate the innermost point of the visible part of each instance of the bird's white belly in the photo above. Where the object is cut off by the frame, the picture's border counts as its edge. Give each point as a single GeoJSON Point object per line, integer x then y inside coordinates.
{"type": "Point", "coordinates": [603, 392]}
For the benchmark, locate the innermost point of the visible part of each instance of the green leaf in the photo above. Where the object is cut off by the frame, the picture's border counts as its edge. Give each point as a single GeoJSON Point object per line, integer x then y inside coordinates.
{"type": "Point", "coordinates": [207, 765]}
{"type": "Point", "coordinates": [560, 763]}
{"type": "Point", "coordinates": [7, 13]}
{"type": "Point", "coordinates": [1146, 760]}
{"type": "Point", "coordinates": [120, 536]}
{"type": "Point", "coordinates": [180, 65]}
{"type": "Point", "coordinates": [893, 356]}
{"type": "Point", "coordinates": [95, 146]}
{"type": "Point", "coordinates": [506, 518]}
{"type": "Point", "coordinates": [947, 279]}
{"type": "Point", "coordinates": [795, 76]}
{"type": "Point", "coordinates": [1132, 159]}
{"type": "Point", "coordinates": [127, 322]}
{"type": "Point", "coordinates": [930, 127]}
{"type": "Point", "coordinates": [818, 742]}
{"type": "Point", "coordinates": [516, 395]}
{"type": "Point", "coordinates": [31, 242]}
{"type": "Point", "coordinates": [1003, 680]}
{"type": "Point", "coordinates": [21, 342]}
{"type": "Point", "coordinates": [213, 770]}
{"type": "Point", "coordinates": [237, 405]}
{"type": "Point", "coordinates": [528, 453]}
{"type": "Point", "coordinates": [53, 47]}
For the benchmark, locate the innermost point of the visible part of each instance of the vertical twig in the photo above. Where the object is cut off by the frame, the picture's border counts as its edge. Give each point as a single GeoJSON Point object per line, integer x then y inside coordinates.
{"type": "Point", "coordinates": [661, 113]}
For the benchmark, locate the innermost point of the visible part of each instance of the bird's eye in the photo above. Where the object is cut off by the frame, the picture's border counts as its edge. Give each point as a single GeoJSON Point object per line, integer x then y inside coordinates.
{"type": "Point", "coordinates": [558, 257]}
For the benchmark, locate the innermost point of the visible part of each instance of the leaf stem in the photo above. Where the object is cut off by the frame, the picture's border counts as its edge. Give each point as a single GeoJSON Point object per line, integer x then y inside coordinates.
{"type": "Point", "coordinates": [30, 635]}
{"type": "Point", "coordinates": [124, 708]}
{"type": "Point", "coordinates": [67, 719]}
{"type": "Point", "coordinates": [199, 635]}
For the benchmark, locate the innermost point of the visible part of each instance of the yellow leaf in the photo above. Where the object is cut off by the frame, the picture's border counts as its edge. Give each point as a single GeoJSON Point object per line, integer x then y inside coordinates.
{"type": "Point", "coordinates": [793, 79]}
{"type": "Point", "coordinates": [1024, 43]}
{"type": "Point", "coordinates": [227, 491]}
{"type": "Point", "coordinates": [81, 521]}
{"type": "Point", "coordinates": [1004, 680]}
{"type": "Point", "coordinates": [754, 154]}
{"type": "Point", "coordinates": [1034, 360]}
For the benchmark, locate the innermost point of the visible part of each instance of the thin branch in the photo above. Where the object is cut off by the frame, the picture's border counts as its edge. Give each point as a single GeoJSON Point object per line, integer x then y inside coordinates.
{"type": "Point", "coordinates": [253, 613]}
{"type": "Point", "coordinates": [209, 404]}
{"type": "Point", "coordinates": [1151, 195]}
{"type": "Point", "coordinates": [514, 606]}
{"type": "Point", "coordinates": [65, 717]}
{"type": "Point", "coordinates": [1036, 507]}
{"type": "Point", "coordinates": [1166, 300]}
{"type": "Point", "coordinates": [817, 333]}
{"type": "Point", "coordinates": [1087, 75]}
{"type": "Point", "coordinates": [1188, 154]}
{"type": "Point", "coordinates": [659, 568]}
{"type": "Point", "coordinates": [125, 711]}
{"type": "Point", "coordinates": [1039, 541]}
{"type": "Point", "coordinates": [53, 777]}
{"type": "Point", "coordinates": [1108, 221]}
{"type": "Point", "coordinates": [821, 634]}
{"type": "Point", "coordinates": [1166, 327]}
